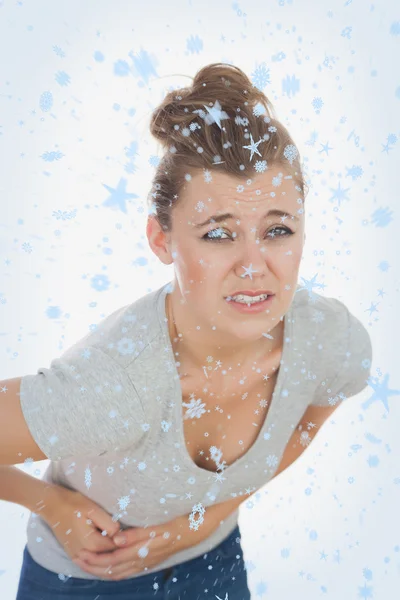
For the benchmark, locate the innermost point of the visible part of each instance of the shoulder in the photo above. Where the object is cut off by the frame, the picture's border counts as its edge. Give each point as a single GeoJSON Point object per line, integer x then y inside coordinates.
{"type": "Point", "coordinates": [326, 323]}
{"type": "Point", "coordinates": [319, 308]}
{"type": "Point", "coordinates": [91, 388]}
{"type": "Point", "coordinates": [338, 343]}
{"type": "Point", "coordinates": [125, 333]}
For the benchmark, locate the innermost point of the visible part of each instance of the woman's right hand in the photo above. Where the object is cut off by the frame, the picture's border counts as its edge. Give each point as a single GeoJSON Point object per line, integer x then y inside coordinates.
{"type": "Point", "coordinates": [78, 522]}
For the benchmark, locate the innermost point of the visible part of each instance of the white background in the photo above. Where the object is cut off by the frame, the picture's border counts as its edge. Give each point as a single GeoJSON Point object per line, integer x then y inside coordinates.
{"type": "Point", "coordinates": [334, 81]}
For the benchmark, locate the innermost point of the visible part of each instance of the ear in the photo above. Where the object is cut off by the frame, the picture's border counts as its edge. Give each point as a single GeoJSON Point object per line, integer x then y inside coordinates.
{"type": "Point", "coordinates": [158, 240]}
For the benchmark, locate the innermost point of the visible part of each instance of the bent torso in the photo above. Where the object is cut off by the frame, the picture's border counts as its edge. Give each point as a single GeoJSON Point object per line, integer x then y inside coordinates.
{"type": "Point", "coordinates": [221, 424]}
{"type": "Point", "coordinates": [224, 411]}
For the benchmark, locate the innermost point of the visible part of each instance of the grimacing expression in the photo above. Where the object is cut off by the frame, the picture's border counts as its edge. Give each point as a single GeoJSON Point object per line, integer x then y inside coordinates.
{"type": "Point", "coordinates": [209, 258]}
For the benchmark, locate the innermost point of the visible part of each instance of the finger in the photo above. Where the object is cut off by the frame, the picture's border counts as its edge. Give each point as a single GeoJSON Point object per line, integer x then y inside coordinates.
{"type": "Point", "coordinates": [138, 551]}
{"type": "Point", "coordinates": [102, 572]}
{"type": "Point", "coordinates": [111, 572]}
{"type": "Point", "coordinates": [97, 542]}
{"type": "Point", "coordinates": [128, 573]}
{"type": "Point", "coordinates": [133, 535]}
{"type": "Point", "coordinates": [102, 559]}
{"type": "Point", "coordinates": [103, 520]}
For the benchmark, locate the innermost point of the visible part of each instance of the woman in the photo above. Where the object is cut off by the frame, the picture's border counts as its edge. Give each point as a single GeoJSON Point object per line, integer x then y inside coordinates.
{"type": "Point", "coordinates": [182, 404]}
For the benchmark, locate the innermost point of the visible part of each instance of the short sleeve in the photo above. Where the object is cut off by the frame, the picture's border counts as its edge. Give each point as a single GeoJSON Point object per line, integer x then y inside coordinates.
{"type": "Point", "coordinates": [83, 405]}
{"type": "Point", "coordinates": [348, 364]}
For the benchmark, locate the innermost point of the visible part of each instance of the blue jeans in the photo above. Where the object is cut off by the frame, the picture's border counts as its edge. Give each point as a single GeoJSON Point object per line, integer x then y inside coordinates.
{"type": "Point", "coordinates": [219, 573]}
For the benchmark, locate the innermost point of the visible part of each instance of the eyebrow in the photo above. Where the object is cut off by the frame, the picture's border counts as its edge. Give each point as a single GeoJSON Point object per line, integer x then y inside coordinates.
{"type": "Point", "coordinates": [274, 212]}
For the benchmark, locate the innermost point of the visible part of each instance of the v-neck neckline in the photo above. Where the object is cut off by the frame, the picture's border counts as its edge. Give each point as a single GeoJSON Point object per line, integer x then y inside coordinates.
{"type": "Point", "coordinates": [285, 357]}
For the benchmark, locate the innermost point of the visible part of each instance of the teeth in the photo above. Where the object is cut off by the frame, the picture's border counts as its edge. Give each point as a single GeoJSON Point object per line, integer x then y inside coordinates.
{"type": "Point", "coordinates": [249, 299]}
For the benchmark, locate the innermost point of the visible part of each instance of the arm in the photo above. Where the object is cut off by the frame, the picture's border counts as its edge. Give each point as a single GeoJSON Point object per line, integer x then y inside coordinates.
{"type": "Point", "coordinates": [18, 487]}
{"type": "Point", "coordinates": [300, 439]}
{"type": "Point", "coordinates": [305, 432]}
{"type": "Point", "coordinates": [16, 442]}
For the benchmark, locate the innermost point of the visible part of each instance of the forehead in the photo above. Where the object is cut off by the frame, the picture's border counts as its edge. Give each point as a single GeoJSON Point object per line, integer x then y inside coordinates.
{"type": "Point", "coordinates": [273, 188]}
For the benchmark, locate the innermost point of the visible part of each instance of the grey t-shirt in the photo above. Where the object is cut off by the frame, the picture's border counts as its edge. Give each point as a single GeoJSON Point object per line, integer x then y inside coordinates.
{"type": "Point", "coordinates": [108, 415]}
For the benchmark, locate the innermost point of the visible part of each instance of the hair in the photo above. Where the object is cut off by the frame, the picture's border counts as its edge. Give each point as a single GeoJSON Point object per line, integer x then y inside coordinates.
{"type": "Point", "coordinates": [192, 138]}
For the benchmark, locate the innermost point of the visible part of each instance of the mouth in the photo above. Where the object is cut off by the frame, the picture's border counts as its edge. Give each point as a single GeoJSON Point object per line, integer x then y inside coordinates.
{"type": "Point", "coordinates": [249, 298]}
{"type": "Point", "coordinates": [250, 303]}
{"type": "Point", "coordinates": [250, 293]}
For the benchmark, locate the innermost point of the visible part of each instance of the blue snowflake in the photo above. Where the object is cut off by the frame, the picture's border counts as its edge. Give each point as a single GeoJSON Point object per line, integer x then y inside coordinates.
{"type": "Point", "coordinates": [354, 172]}
{"type": "Point", "coordinates": [347, 32]}
{"type": "Point", "coordinates": [382, 217]}
{"type": "Point", "coordinates": [278, 57]}
{"type": "Point", "coordinates": [53, 312]}
{"type": "Point", "coordinates": [58, 51]}
{"type": "Point", "coordinates": [46, 101]}
{"type": "Point", "coordinates": [260, 78]}
{"type": "Point", "coordinates": [62, 78]}
{"type": "Point", "coordinates": [26, 247]}
{"type": "Point", "coordinates": [121, 68]}
{"type": "Point", "coordinates": [154, 161]}
{"type": "Point", "coordinates": [194, 44]}
{"type": "Point", "coordinates": [258, 110]}
{"type": "Point", "coordinates": [367, 573]}
{"type": "Point", "coordinates": [290, 153]}
{"type": "Point", "coordinates": [395, 28]}
{"type": "Point", "coordinates": [98, 56]}
{"type": "Point", "coordinates": [317, 104]}
{"type": "Point", "coordinates": [144, 65]}
{"type": "Point", "coordinates": [100, 283]}
{"type": "Point", "coordinates": [64, 215]}
{"type": "Point", "coordinates": [126, 346]}
{"type": "Point", "coordinates": [260, 166]}
{"type": "Point", "coordinates": [51, 156]}
{"type": "Point", "coordinates": [130, 168]}
{"type": "Point", "coordinates": [384, 265]}
{"type": "Point", "coordinates": [290, 85]}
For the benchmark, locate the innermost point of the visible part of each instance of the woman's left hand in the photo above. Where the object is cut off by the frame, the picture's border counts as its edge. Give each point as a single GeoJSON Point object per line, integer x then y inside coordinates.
{"type": "Point", "coordinates": [144, 547]}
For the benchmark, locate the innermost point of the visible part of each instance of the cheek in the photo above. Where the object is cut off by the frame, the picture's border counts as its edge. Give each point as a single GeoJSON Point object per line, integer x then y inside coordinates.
{"type": "Point", "coordinates": [296, 255]}
{"type": "Point", "coordinates": [195, 261]}
{"type": "Point", "coordinates": [190, 267]}
{"type": "Point", "coordinates": [285, 258]}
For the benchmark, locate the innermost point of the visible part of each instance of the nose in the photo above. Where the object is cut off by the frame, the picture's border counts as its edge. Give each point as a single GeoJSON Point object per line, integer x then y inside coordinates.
{"type": "Point", "coordinates": [252, 254]}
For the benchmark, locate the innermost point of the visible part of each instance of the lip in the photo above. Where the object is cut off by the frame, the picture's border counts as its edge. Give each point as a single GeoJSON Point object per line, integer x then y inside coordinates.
{"type": "Point", "coordinates": [250, 293]}
{"type": "Point", "coordinates": [259, 307]}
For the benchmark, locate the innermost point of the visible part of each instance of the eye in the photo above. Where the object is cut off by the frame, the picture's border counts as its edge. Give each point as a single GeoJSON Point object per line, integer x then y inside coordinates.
{"type": "Point", "coordinates": [213, 234]}
{"type": "Point", "coordinates": [284, 231]}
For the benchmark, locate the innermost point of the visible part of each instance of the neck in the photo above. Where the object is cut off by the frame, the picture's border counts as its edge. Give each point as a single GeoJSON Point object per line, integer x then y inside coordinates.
{"type": "Point", "coordinates": [195, 351]}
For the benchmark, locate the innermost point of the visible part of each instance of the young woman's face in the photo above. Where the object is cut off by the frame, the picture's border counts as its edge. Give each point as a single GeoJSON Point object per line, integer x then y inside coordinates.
{"type": "Point", "coordinates": [209, 259]}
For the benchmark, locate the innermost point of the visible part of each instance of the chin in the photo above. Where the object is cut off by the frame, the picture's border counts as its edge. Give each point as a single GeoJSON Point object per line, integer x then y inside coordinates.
{"type": "Point", "coordinates": [248, 332]}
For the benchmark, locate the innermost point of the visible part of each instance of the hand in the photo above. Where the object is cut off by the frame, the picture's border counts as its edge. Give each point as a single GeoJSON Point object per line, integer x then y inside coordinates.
{"type": "Point", "coordinates": [79, 523]}
{"type": "Point", "coordinates": [144, 547]}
